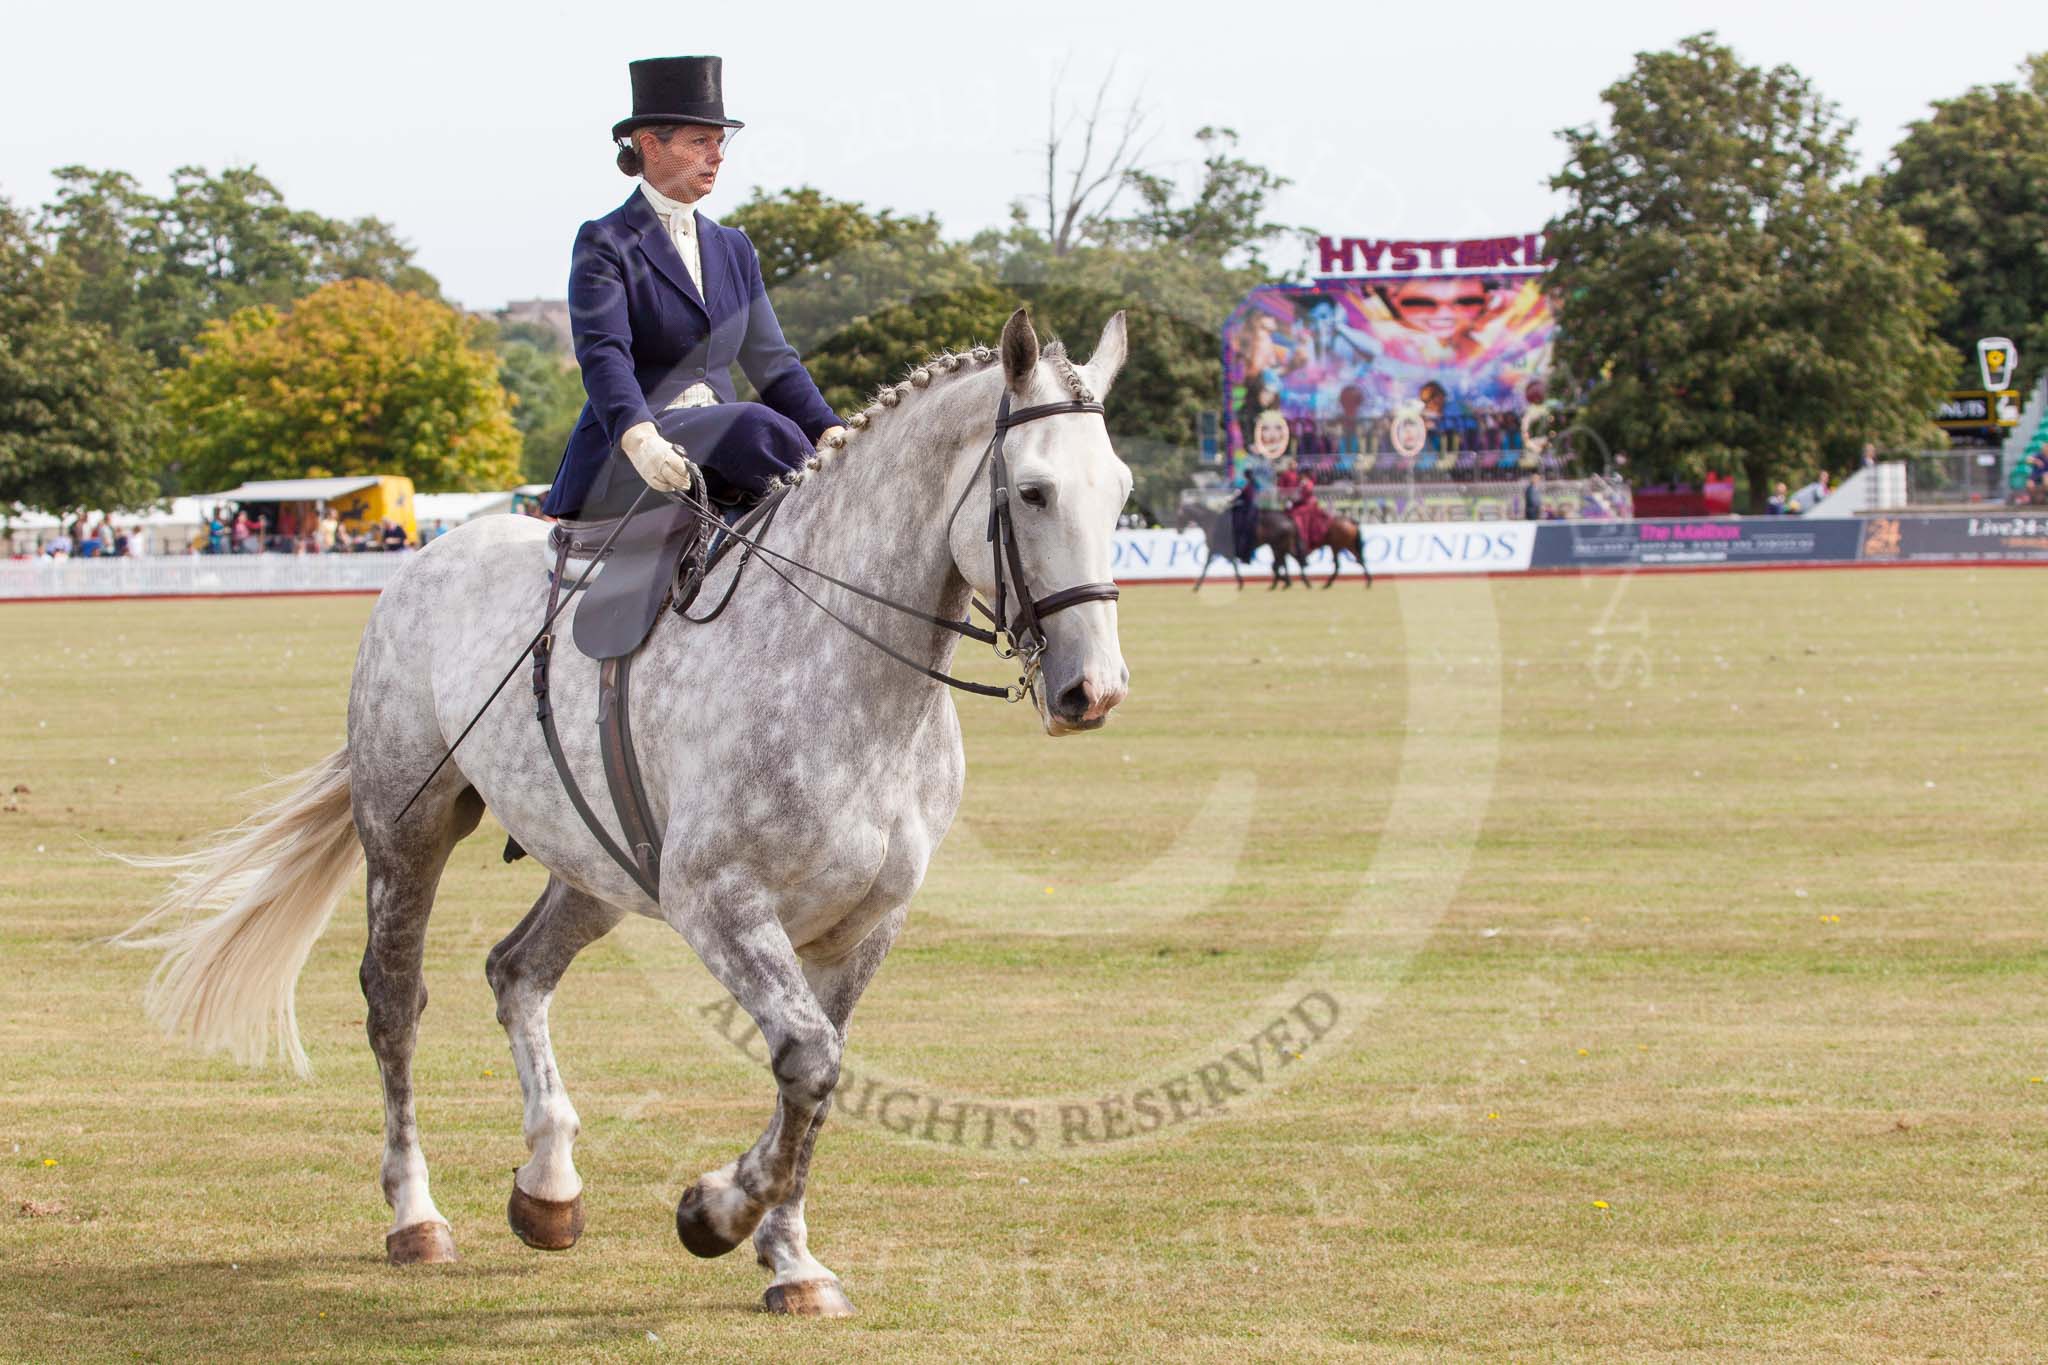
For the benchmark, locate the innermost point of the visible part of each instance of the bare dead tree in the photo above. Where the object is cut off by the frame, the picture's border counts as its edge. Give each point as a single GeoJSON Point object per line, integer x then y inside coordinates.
{"type": "Point", "coordinates": [1091, 187]}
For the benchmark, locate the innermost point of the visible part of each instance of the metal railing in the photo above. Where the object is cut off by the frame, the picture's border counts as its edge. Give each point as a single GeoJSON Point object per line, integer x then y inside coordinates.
{"type": "Point", "coordinates": [1961, 477]}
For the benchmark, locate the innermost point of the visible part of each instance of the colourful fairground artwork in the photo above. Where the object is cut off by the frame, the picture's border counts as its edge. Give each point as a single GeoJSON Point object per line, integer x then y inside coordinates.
{"type": "Point", "coordinates": [1428, 374]}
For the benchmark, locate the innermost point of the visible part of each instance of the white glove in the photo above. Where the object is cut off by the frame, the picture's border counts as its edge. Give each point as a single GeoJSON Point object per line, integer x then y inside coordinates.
{"type": "Point", "coordinates": [659, 461]}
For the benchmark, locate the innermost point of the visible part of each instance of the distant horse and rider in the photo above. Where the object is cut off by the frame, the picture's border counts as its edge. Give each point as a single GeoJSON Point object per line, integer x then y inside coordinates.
{"type": "Point", "coordinates": [1236, 532]}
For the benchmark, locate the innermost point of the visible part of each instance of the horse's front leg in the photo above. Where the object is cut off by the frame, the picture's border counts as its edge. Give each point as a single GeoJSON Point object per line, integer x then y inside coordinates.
{"type": "Point", "coordinates": [801, 1283]}
{"type": "Point", "coordinates": [732, 925]}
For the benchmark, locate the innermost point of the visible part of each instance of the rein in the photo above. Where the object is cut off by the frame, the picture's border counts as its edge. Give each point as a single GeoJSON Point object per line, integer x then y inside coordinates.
{"type": "Point", "coordinates": [1022, 638]}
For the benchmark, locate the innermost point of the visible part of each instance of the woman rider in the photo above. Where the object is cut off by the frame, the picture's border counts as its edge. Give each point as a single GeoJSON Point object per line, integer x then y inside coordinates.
{"type": "Point", "coordinates": [663, 301]}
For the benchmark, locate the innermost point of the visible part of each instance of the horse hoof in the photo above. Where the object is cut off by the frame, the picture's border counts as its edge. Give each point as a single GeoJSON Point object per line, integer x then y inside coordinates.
{"type": "Point", "coordinates": [808, 1299]}
{"type": "Point", "coordinates": [545, 1224]}
{"type": "Point", "coordinates": [694, 1226]}
{"type": "Point", "coordinates": [421, 1244]}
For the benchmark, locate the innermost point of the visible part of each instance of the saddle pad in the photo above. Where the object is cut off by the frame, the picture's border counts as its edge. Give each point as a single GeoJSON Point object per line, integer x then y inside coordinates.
{"type": "Point", "coordinates": [620, 603]}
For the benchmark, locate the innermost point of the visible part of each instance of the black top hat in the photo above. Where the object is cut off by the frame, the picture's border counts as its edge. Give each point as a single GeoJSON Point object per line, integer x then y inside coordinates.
{"type": "Point", "coordinates": [677, 90]}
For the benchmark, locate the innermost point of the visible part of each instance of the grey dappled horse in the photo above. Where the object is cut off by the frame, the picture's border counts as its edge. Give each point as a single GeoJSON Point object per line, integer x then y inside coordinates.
{"type": "Point", "coordinates": [802, 780]}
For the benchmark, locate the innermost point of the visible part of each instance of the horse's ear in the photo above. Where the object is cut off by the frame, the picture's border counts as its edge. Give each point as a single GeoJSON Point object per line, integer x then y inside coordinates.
{"type": "Point", "coordinates": [1110, 353]}
{"type": "Point", "coordinates": [1020, 350]}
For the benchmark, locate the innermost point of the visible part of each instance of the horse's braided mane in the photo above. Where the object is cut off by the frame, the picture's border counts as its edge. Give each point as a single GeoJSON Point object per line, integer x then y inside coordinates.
{"type": "Point", "coordinates": [923, 376]}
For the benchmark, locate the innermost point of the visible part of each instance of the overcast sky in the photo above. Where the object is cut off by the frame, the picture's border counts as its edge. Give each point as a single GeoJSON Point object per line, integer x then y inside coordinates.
{"type": "Point", "coordinates": [481, 132]}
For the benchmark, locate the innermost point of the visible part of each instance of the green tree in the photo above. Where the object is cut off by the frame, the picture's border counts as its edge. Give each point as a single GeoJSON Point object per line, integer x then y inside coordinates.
{"type": "Point", "coordinates": [1973, 177]}
{"type": "Point", "coordinates": [156, 270]}
{"type": "Point", "coordinates": [829, 262]}
{"type": "Point", "coordinates": [370, 249]}
{"type": "Point", "coordinates": [547, 399]}
{"type": "Point", "coordinates": [1223, 218]}
{"type": "Point", "coordinates": [77, 413]}
{"type": "Point", "coordinates": [1726, 293]}
{"type": "Point", "coordinates": [108, 232]}
{"type": "Point", "coordinates": [357, 378]}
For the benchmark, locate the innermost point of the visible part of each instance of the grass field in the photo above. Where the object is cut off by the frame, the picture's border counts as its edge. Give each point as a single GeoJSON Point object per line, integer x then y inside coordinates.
{"type": "Point", "coordinates": [1689, 933]}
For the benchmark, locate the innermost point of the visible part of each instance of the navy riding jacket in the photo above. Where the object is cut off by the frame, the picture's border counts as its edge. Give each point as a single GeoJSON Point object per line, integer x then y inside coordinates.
{"type": "Point", "coordinates": [644, 334]}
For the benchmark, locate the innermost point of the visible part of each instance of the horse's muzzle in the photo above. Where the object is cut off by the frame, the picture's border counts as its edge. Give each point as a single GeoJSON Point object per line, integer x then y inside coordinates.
{"type": "Point", "coordinates": [1085, 704]}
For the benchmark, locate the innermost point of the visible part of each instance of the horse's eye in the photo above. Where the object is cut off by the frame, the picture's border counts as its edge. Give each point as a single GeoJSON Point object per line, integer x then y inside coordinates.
{"type": "Point", "coordinates": [1032, 496]}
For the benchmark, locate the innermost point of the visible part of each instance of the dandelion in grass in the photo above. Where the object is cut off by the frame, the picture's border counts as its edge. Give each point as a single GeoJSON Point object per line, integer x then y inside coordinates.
{"type": "Point", "coordinates": [1600, 1204]}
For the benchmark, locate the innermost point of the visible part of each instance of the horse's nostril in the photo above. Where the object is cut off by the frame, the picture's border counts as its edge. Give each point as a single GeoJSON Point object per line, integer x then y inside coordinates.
{"type": "Point", "coordinates": [1073, 702]}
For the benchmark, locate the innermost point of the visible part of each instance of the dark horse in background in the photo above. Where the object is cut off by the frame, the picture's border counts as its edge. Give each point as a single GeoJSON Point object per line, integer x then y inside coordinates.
{"type": "Point", "coordinates": [1277, 531]}
{"type": "Point", "coordinates": [1341, 537]}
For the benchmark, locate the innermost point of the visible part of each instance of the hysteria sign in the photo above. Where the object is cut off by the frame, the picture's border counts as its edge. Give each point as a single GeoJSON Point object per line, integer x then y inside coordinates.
{"type": "Point", "coordinates": [1414, 371]}
{"type": "Point", "coordinates": [1402, 256]}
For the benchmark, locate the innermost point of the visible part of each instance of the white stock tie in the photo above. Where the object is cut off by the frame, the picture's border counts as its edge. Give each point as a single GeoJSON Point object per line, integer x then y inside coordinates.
{"type": "Point", "coordinates": [681, 221]}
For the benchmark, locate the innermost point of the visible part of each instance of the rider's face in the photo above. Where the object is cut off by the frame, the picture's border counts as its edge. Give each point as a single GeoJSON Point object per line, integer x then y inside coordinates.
{"type": "Point", "coordinates": [686, 166]}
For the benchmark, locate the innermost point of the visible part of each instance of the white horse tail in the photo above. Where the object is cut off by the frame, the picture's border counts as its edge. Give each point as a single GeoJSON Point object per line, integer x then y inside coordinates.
{"type": "Point", "coordinates": [243, 914]}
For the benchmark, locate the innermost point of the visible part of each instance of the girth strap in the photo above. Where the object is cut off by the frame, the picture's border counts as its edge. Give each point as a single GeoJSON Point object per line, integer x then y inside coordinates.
{"type": "Point", "coordinates": [543, 650]}
{"type": "Point", "coordinates": [622, 768]}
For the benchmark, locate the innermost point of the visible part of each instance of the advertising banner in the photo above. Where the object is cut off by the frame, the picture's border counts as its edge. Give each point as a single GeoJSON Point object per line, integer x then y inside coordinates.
{"type": "Point", "coordinates": [1482, 547]}
{"type": "Point", "coordinates": [1701, 540]}
{"type": "Point", "coordinates": [1955, 540]}
{"type": "Point", "coordinates": [1968, 409]}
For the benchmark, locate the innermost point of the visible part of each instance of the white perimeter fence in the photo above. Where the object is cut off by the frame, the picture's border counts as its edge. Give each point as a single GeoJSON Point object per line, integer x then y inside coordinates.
{"type": "Point", "coordinates": [195, 575]}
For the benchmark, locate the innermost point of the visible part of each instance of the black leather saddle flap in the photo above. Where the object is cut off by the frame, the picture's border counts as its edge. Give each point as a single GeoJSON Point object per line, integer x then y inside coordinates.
{"type": "Point", "coordinates": [621, 603]}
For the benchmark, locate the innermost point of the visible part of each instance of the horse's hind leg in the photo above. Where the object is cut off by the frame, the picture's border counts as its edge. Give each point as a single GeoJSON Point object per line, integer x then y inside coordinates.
{"type": "Point", "coordinates": [405, 867]}
{"type": "Point", "coordinates": [801, 1283]}
{"type": "Point", "coordinates": [546, 1207]}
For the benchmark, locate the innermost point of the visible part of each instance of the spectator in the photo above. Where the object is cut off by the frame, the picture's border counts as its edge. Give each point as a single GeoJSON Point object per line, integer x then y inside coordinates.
{"type": "Point", "coordinates": [1532, 498]}
{"type": "Point", "coordinates": [394, 536]}
{"type": "Point", "coordinates": [1774, 506]}
{"type": "Point", "coordinates": [59, 545]}
{"type": "Point", "coordinates": [138, 543]}
{"type": "Point", "coordinates": [1809, 497]}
